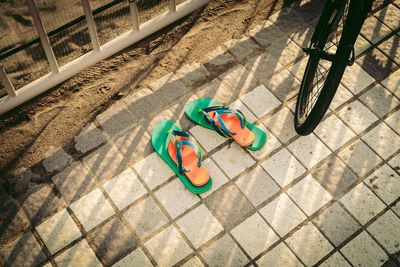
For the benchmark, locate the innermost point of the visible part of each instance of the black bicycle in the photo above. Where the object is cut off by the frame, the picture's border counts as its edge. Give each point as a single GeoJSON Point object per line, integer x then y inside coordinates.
{"type": "Point", "coordinates": [330, 51]}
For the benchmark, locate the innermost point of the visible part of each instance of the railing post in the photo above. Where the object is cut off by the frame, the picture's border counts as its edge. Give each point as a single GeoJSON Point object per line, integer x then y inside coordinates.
{"type": "Point", "coordinates": [134, 14]}
{"type": "Point", "coordinates": [6, 82]}
{"type": "Point", "coordinates": [91, 25]}
{"type": "Point", "coordinates": [172, 5]}
{"type": "Point", "coordinates": [44, 39]}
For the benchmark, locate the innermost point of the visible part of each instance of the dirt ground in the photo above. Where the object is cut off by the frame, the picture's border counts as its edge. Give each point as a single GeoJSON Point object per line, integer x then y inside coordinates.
{"type": "Point", "coordinates": [54, 118]}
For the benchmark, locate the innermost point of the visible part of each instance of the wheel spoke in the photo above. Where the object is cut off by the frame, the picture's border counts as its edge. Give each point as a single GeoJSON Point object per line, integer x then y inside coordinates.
{"type": "Point", "coordinates": [321, 71]}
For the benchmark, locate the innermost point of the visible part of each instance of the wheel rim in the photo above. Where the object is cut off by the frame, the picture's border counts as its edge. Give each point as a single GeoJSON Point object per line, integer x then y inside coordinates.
{"type": "Point", "coordinates": [320, 67]}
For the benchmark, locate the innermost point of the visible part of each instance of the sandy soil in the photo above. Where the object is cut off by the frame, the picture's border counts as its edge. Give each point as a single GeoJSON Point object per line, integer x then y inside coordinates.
{"type": "Point", "coordinates": [54, 118]}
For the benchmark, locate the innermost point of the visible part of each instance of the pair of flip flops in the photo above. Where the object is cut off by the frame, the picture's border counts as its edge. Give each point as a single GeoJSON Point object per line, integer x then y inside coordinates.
{"type": "Point", "coordinates": [184, 156]}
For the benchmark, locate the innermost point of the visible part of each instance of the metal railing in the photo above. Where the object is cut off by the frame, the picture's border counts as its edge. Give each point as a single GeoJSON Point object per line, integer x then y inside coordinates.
{"type": "Point", "coordinates": [59, 74]}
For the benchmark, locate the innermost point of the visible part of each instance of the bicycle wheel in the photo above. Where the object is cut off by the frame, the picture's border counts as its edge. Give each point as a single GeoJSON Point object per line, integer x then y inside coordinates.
{"type": "Point", "coordinates": [339, 25]}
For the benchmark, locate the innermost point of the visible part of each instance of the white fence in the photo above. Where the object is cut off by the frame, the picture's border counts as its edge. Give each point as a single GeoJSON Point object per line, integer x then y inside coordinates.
{"type": "Point", "coordinates": [99, 52]}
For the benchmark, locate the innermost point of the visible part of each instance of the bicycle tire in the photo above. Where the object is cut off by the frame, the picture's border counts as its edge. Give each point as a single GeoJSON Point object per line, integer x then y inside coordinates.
{"type": "Point", "coordinates": [356, 14]}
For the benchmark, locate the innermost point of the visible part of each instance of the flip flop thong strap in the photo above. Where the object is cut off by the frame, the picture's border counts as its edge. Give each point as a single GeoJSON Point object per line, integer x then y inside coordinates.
{"type": "Point", "coordinates": [222, 129]}
{"type": "Point", "coordinates": [182, 143]}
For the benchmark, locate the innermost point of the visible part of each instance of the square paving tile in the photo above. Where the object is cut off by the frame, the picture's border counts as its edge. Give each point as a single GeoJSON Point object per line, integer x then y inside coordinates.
{"type": "Point", "coordinates": [242, 48]}
{"type": "Point", "coordinates": [266, 33]}
{"type": "Point", "coordinates": [175, 113]}
{"type": "Point", "coordinates": [394, 121]}
{"type": "Point", "coordinates": [281, 125]}
{"type": "Point", "coordinates": [56, 159]}
{"type": "Point", "coordinates": [393, 83]}
{"type": "Point", "coordinates": [24, 251]}
{"type": "Point", "coordinates": [192, 74]}
{"type": "Point", "coordinates": [285, 50]}
{"type": "Point", "coordinates": [199, 226]}
{"type": "Point", "coordinates": [168, 247]}
{"type": "Point", "coordinates": [135, 257]}
{"type": "Point", "coordinates": [287, 20]}
{"type": "Point", "coordinates": [359, 157]}
{"type": "Point", "coordinates": [335, 176]}
{"type": "Point", "coordinates": [391, 48]}
{"type": "Point", "coordinates": [229, 206]}
{"type": "Point", "coordinates": [386, 229]}
{"type": "Point", "coordinates": [133, 144]}
{"type": "Point", "coordinates": [74, 182]}
{"type": "Point", "coordinates": [233, 159]}
{"type": "Point", "coordinates": [376, 64]}
{"type": "Point", "coordinates": [342, 95]}
{"type": "Point", "coordinates": [13, 218]}
{"type": "Point", "coordinates": [357, 116]}
{"type": "Point", "coordinates": [238, 105]}
{"type": "Point", "coordinates": [336, 224]}
{"type": "Point", "coordinates": [279, 256]}
{"type": "Point", "coordinates": [283, 84]}
{"type": "Point", "coordinates": [271, 145]}
{"type": "Point", "coordinates": [216, 90]}
{"type": "Point", "coordinates": [389, 15]}
{"type": "Point", "coordinates": [58, 231]}
{"type": "Point", "coordinates": [263, 66]}
{"type": "Point", "coordinates": [283, 167]}
{"type": "Point", "coordinates": [257, 185]}
{"type": "Point", "coordinates": [374, 30]}
{"type": "Point", "coordinates": [88, 138]}
{"type": "Point", "coordinates": [380, 100]}
{"type": "Point", "coordinates": [176, 198]}
{"type": "Point", "coordinates": [116, 118]}
{"type": "Point", "coordinates": [364, 251]}
{"type": "Point", "coordinates": [41, 202]}
{"type": "Point", "coordinates": [111, 241]}
{"type": "Point", "coordinates": [258, 239]}
{"type": "Point", "coordinates": [79, 255]}
{"type": "Point", "coordinates": [105, 162]}
{"type": "Point", "coordinates": [145, 217]}
{"type": "Point", "coordinates": [356, 79]}
{"type": "Point", "coordinates": [260, 101]}
{"type": "Point", "coordinates": [317, 246]}
{"type": "Point", "coordinates": [335, 260]}
{"type": "Point", "coordinates": [239, 80]}
{"type": "Point", "coordinates": [168, 88]}
{"type": "Point", "coordinates": [309, 195]}
{"type": "Point", "coordinates": [124, 189]}
{"type": "Point", "coordinates": [142, 103]}
{"type": "Point", "coordinates": [282, 214]}
{"type": "Point", "coordinates": [218, 177]}
{"type": "Point", "coordinates": [383, 140]}
{"type": "Point", "coordinates": [224, 252]}
{"type": "Point", "coordinates": [385, 183]}
{"type": "Point", "coordinates": [219, 60]}
{"type": "Point", "coordinates": [309, 150]}
{"type": "Point", "coordinates": [362, 203]}
{"type": "Point", "coordinates": [153, 170]}
{"type": "Point", "coordinates": [333, 132]}
{"type": "Point", "coordinates": [92, 209]}
{"type": "Point", "coordinates": [207, 138]}
{"type": "Point", "coordinates": [298, 68]}
{"type": "Point", "coordinates": [303, 37]}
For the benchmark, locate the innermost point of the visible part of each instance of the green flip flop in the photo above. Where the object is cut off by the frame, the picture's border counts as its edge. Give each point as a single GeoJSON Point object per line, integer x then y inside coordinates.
{"type": "Point", "coordinates": [195, 113]}
{"type": "Point", "coordinates": [160, 138]}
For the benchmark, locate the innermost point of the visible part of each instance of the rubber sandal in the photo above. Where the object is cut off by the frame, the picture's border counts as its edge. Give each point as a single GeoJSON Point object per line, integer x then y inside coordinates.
{"type": "Point", "coordinates": [227, 122]}
{"type": "Point", "coordinates": [182, 155]}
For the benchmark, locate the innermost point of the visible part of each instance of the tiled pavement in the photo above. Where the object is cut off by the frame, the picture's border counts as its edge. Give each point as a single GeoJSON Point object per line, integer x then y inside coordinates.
{"type": "Point", "coordinates": [331, 198]}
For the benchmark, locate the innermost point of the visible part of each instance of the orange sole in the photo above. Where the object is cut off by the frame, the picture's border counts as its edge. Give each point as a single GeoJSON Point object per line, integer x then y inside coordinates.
{"type": "Point", "coordinates": [198, 176]}
{"type": "Point", "coordinates": [243, 136]}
